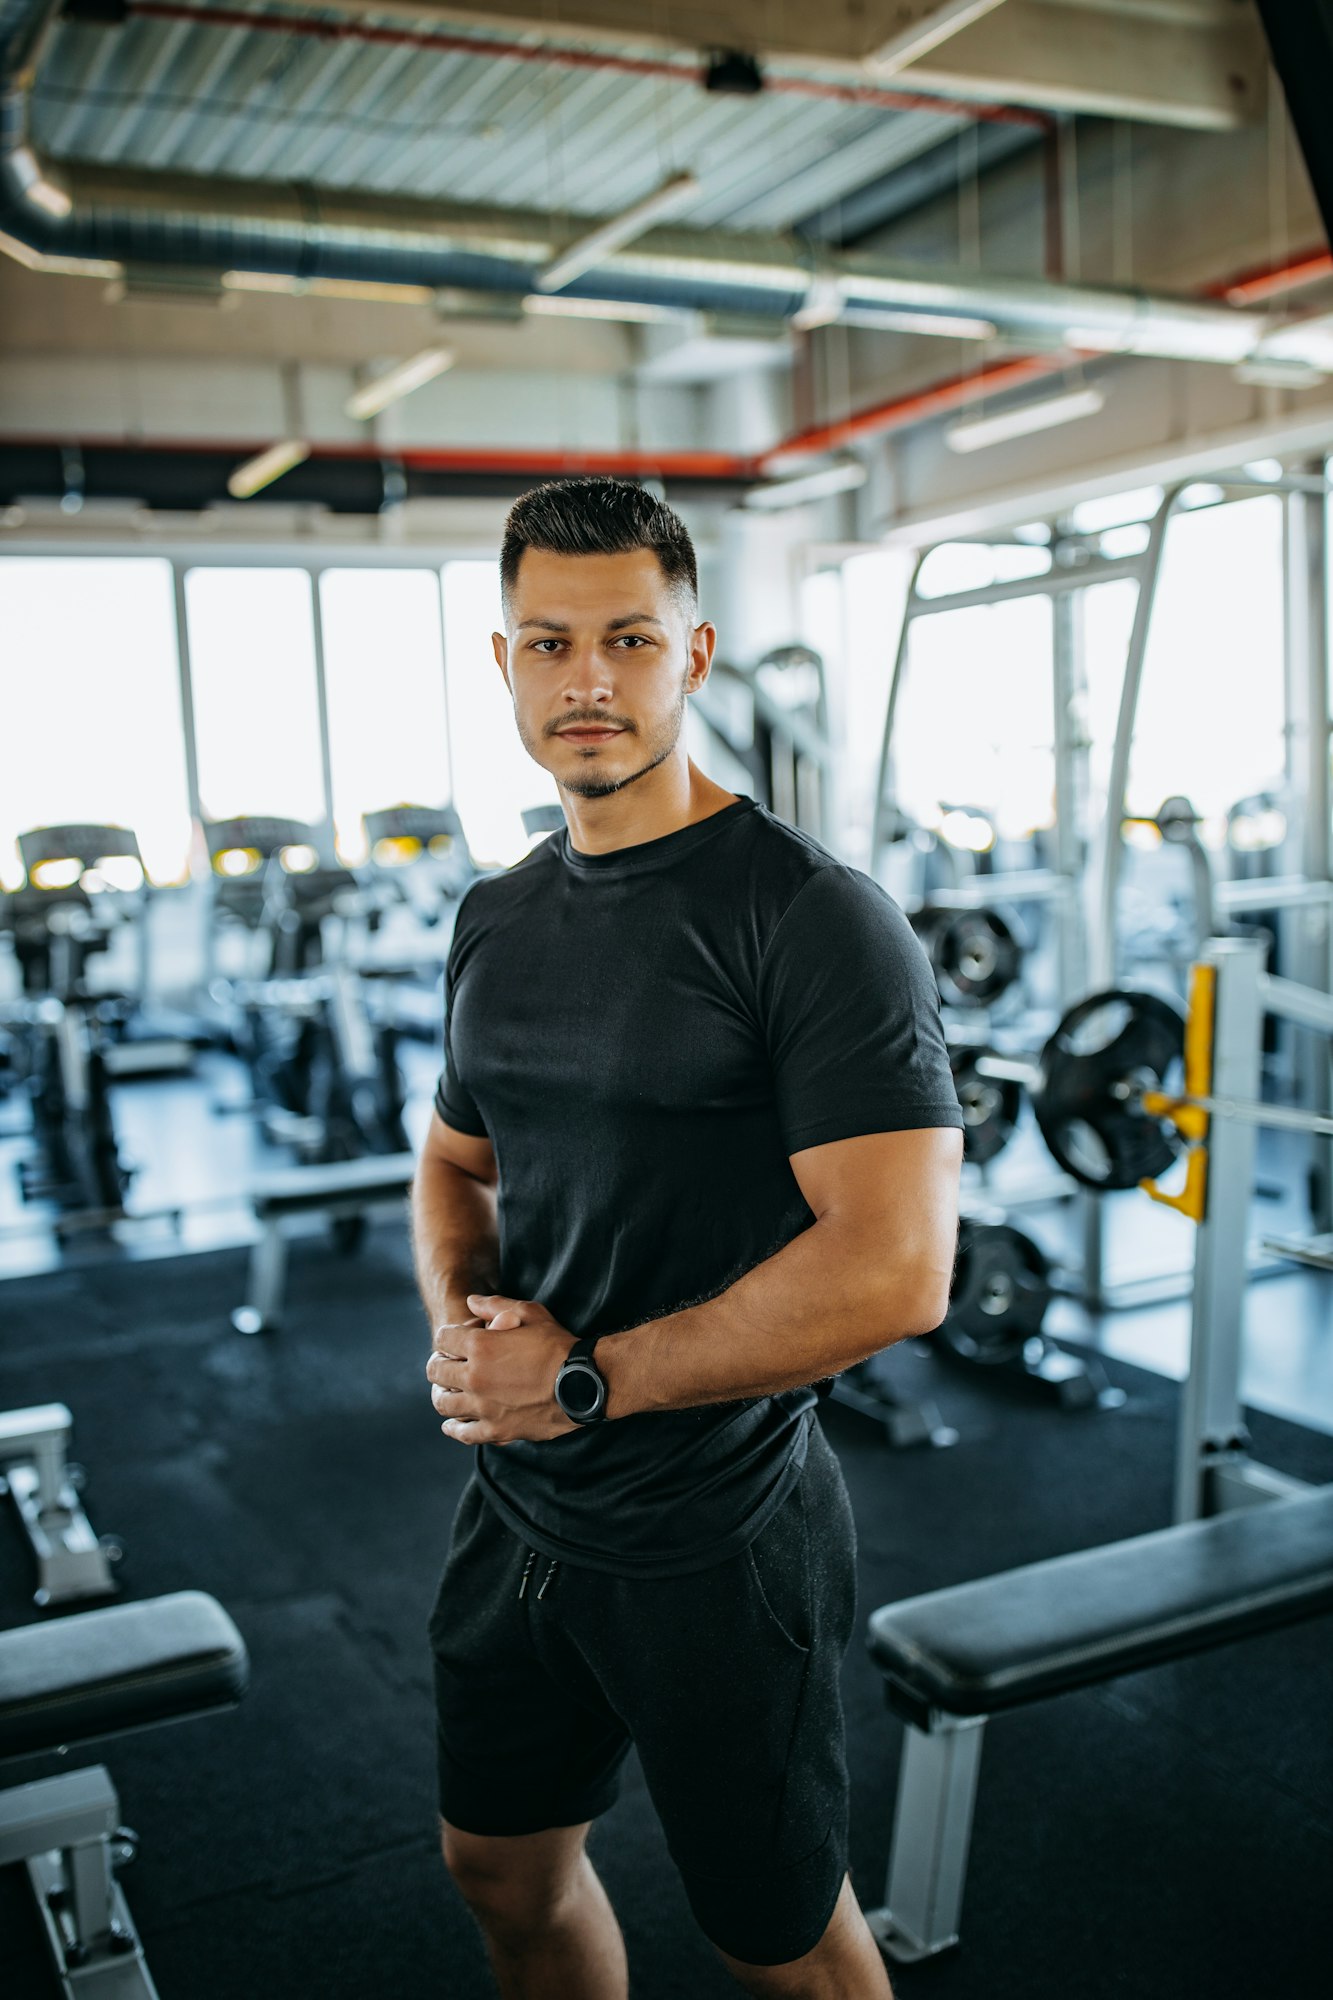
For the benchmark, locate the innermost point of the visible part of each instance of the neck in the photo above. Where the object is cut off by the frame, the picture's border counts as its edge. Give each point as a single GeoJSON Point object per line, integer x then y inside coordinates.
{"type": "Point", "coordinates": [674, 795]}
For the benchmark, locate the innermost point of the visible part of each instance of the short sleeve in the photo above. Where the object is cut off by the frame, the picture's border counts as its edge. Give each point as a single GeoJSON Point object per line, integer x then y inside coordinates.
{"type": "Point", "coordinates": [453, 1100]}
{"type": "Point", "coordinates": [852, 1017]}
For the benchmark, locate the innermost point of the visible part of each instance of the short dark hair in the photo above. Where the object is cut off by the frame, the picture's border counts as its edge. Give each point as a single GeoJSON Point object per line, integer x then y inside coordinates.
{"type": "Point", "coordinates": [597, 516]}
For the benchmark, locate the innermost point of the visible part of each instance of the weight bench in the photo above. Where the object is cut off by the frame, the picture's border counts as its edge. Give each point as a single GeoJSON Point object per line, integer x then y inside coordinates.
{"type": "Point", "coordinates": [955, 1657]}
{"type": "Point", "coordinates": [71, 1561]}
{"type": "Point", "coordinates": [95, 1674]}
{"type": "Point", "coordinates": [339, 1188]}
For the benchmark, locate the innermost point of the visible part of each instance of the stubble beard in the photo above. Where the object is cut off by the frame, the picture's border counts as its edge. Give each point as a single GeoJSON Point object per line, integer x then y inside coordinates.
{"type": "Point", "coordinates": [602, 788]}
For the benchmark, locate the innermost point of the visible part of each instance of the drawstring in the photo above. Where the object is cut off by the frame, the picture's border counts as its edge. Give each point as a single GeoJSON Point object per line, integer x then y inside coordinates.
{"type": "Point", "coordinates": [528, 1568]}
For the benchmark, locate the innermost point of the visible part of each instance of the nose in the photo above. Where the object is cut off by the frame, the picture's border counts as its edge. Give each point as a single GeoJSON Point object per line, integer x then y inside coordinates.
{"type": "Point", "coordinates": [588, 683]}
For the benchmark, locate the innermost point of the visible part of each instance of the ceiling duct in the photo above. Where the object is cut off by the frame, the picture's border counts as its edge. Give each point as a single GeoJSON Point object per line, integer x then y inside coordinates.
{"type": "Point", "coordinates": [141, 219]}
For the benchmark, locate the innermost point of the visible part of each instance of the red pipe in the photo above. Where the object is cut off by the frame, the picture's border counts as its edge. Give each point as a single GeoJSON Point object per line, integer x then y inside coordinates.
{"type": "Point", "coordinates": [571, 58]}
{"type": "Point", "coordinates": [1270, 280]}
{"type": "Point", "coordinates": [901, 411]}
{"type": "Point", "coordinates": [1247, 288]}
{"type": "Point", "coordinates": [716, 465]}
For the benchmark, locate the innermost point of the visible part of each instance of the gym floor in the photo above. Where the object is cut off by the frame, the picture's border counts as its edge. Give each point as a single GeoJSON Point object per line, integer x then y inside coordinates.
{"type": "Point", "coordinates": [302, 1479]}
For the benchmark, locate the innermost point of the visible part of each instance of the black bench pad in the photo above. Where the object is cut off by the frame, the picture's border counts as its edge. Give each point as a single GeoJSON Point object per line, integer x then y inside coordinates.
{"type": "Point", "coordinates": [122, 1668]}
{"type": "Point", "coordinates": [1075, 1620]}
{"type": "Point", "coordinates": [378, 1176]}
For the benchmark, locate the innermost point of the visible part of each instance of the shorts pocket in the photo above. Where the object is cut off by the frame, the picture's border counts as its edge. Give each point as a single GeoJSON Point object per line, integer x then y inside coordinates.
{"type": "Point", "coordinates": [778, 1561]}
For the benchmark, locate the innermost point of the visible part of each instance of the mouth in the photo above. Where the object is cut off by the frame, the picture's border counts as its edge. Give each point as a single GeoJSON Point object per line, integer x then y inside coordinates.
{"type": "Point", "coordinates": [586, 733]}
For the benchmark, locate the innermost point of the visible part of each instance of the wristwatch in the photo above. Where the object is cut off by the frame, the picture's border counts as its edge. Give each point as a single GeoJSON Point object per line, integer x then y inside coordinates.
{"type": "Point", "coordinates": [580, 1387]}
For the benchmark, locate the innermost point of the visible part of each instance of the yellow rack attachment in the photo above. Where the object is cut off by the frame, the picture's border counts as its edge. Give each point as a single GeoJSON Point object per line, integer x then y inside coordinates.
{"type": "Point", "coordinates": [1189, 1120]}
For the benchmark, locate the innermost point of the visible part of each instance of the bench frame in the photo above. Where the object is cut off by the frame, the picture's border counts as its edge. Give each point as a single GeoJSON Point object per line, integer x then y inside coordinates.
{"type": "Point", "coordinates": [72, 1563]}
{"type": "Point", "coordinates": [932, 1833]}
{"type": "Point", "coordinates": [262, 1311]}
{"type": "Point", "coordinates": [64, 1830]}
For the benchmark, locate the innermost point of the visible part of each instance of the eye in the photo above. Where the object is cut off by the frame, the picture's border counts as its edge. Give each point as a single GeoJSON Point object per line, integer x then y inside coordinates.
{"type": "Point", "coordinates": [635, 639]}
{"type": "Point", "coordinates": [541, 645]}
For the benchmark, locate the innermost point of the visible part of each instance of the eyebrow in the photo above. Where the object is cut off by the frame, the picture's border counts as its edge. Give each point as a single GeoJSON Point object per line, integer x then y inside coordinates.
{"type": "Point", "coordinates": [612, 624]}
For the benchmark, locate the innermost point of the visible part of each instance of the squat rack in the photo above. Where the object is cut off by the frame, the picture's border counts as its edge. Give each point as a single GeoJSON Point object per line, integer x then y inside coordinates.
{"type": "Point", "coordinates": [1083, 896]}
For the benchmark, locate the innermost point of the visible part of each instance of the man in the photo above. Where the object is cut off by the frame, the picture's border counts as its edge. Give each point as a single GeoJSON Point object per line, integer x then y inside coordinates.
{"type": "Point", "coordinates": [696, 1149]}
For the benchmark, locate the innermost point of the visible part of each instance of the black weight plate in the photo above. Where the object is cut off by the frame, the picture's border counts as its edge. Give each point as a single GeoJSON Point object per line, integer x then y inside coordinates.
{"type": "Point", "coordinates": [976, 957]}
{"type": "Point", "coordinates": [1001, 1290]}
{"type": "Point", "coordinates": [1109, 1039]}
{"type": "Point", "coordinates": [990, 1108]}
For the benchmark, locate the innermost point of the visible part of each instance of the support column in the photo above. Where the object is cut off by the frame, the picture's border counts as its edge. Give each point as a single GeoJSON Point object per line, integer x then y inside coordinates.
{"type": "Point", "coordinates": [1308, 744]}
{"type": "Point", "coordinates": [1211, 1430]}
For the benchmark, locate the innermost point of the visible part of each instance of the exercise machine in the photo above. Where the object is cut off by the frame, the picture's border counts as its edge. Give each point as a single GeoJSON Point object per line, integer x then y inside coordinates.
{"type": "Point", "coordinates": [130, 1666]}
{"type": "Point", "coordinates": [72, 1562]}
{"type": "Point", "coordinates": [954, 1658]}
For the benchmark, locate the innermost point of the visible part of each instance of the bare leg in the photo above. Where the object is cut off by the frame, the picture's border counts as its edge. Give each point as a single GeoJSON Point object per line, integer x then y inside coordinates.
{"type": "Point", "coordinates": [846, 1964]}
{"type": "Point", "coordinates": [549, 1927]}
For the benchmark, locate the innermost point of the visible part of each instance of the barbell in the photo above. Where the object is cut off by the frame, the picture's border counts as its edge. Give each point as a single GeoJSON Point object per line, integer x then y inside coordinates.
{"type": "Point", "coordinates": [1101, 1097]}
{"type": "Point", "coordinates": [975, 954]}
{"type": "Point", "coordinates": [990, 1105]}
{"type": "Point", "coordinates": [1001, 1289]}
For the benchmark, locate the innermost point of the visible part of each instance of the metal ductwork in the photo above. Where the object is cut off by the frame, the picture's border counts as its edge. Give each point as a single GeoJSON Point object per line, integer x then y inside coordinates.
{"type": "Point", "coordinates": [136, 218]}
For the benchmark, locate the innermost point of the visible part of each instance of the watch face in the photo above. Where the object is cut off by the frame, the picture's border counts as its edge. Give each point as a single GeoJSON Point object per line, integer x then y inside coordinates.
{"type": "Point", "coordinates": [580, 1390]}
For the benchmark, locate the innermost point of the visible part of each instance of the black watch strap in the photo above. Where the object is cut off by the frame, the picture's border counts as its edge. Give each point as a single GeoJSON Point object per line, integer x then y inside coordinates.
{"type": "Point", "coordinates": [579, 1364]}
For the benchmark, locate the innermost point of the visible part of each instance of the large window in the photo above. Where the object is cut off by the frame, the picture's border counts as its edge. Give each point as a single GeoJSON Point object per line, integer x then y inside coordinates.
{"type": "Point", "coordinates": [974, 726]}
{"type": "Point", "coordinates": [256, 708]}
{"type": "Point", "coordinates": [384, 675]}
{"type": "Point", "coordinates": [494, 778]}
{"type": "Point", "coordinates": [90, 696]}
{"type": "Point", "coordinates": [1212, 704]}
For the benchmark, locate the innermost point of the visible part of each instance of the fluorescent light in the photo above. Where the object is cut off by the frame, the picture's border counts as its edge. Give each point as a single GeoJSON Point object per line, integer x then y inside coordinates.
{"type": "Point", "coordinates": [585, 251]}
{"type": "Point", "coordinates": [1203, 334]}
{"type": "Point", "coordinates": [1266, 469]}
{"type": "Point", "coordinates": [956, 326]}
{"type": "Point", "coordinates": [563, 307]}
{"type": "Point", "coordinates": [1280, 375]}
{"type": "Point", "coordinates": [375, 396]}
{"type": "Point", "coordinates": [928, 26]}
{"type": "Point", "coordinates": [807, 486]}
{"type": "Point", "coordinates": [266, 466]}
{"type": "Point", "coordinates": [976, 433]}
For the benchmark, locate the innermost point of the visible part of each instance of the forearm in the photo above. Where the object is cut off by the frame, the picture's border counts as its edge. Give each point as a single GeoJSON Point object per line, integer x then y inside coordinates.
{"type": "Point", "coordinates": [826, 1300]}
{"type": "Point", "coordinates": [455, 1238]}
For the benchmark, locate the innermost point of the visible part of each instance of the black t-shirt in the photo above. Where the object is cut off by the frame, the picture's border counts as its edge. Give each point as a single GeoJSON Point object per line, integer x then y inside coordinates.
{"type": "Point", "coordinates": [645, 1036]}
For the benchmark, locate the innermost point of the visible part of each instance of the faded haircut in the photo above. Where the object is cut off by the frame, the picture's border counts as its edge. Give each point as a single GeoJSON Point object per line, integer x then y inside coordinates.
{"type": "Point", "coordinates": [598, 516]}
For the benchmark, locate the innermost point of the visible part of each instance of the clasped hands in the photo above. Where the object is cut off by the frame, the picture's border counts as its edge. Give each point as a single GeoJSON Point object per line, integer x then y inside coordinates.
{"type": "Point", "coordinates": [493, 1375]}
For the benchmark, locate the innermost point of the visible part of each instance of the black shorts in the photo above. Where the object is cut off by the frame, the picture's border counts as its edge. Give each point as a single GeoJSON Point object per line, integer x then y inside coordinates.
{"type": "Point", "coordinates": [726, 1682]}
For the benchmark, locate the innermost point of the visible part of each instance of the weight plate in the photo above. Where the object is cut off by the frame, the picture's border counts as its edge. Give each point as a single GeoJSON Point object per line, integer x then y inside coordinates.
{"type": "Point", "coordinates": [1107, 1043]}
{"type": "Point", "coordinates": [1001, 1290]}
{"type": "Point", "coordinates": [976, 957]}
{"type": "Point", "coordinates": [990, 1108]}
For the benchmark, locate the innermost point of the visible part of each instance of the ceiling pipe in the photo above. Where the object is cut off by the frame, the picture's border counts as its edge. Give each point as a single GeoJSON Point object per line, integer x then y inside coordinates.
{"type": "Point", "coordinates": [147, 218]}
{"type": "Point", "coordinates": [498, 49]}
{"type": "Point", "coordinates": [956, 392]}
{"type": "Point", "coordinates": [140, 217]}
{"type": "Point", "coordinates": [24, 180]}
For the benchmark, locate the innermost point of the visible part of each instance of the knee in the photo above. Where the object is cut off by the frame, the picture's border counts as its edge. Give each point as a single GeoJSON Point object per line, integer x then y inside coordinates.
{"type": "Point", "coordinates": [508, 1897]}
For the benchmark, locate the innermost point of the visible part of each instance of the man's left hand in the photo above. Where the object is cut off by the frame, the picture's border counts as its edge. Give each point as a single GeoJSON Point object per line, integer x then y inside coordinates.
{"type": "Point", "coordinates": [494, 1375]}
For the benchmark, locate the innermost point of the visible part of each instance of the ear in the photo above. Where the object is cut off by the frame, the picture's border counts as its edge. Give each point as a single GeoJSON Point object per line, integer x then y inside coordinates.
{"type": "Point", "coordinates": [500, 648]}
{"type": "Point", "coordinates": [702, 641]}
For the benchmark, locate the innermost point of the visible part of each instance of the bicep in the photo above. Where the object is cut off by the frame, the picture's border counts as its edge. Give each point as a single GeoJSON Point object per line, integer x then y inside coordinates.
{"type": "Point", "coordinates": [475, 1157]}
{"type": "Point", "coordinates": [894, 1194]}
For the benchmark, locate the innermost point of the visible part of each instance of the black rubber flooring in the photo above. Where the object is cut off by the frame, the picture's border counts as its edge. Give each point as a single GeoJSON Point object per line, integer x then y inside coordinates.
{"type": "Point", "coordinates": [1165, 1836]}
